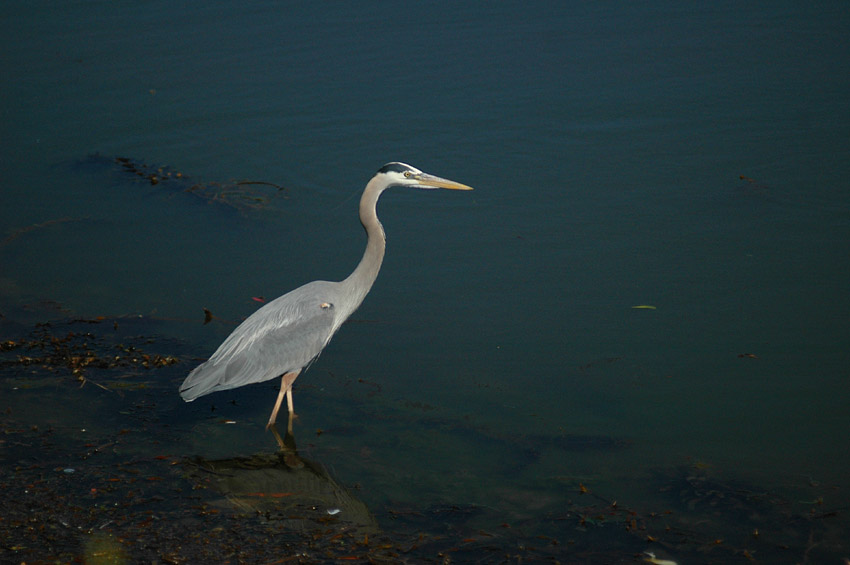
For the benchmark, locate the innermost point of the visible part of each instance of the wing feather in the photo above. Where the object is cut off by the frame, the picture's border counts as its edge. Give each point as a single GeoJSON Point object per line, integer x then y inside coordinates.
{"type": "Point", "coordinates": [284, 335]}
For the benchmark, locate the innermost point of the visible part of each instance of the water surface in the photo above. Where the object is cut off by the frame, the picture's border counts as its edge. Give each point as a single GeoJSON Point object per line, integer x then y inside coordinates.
{"type": "Point", "coordinates": [690, 159]}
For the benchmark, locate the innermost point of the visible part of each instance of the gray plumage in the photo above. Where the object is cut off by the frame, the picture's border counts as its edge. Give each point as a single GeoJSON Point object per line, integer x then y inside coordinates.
{"type": "Point", "coordinates": [284, 336]}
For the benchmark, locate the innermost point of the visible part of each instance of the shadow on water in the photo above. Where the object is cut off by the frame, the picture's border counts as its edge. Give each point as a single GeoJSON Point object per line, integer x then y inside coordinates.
{"type": "Point", "coordinates": [94, 465]}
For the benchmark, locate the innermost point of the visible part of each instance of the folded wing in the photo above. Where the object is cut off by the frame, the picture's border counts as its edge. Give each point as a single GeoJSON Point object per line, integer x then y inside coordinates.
{"type": "Point", "coordinates": [284, 335]}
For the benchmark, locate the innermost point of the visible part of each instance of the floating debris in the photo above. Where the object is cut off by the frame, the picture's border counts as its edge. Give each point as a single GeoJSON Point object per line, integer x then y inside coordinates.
{"type": "Point", "coordinates": [239, 194]}
{"type": "Point", "coordinates": [752, 187]}
{"type": "Point", "coordinates": [71, 347]}
{"type": "Point", "coordinates": [650, 558]}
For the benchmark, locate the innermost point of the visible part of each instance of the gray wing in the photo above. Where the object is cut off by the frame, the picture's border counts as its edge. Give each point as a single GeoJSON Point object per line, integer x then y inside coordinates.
{"type": "Point", "coordinates": [282, 336]}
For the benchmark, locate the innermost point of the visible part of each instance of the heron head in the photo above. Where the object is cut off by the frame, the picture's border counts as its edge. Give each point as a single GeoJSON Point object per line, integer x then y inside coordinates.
{"type": "Point", "coordinates": [401, 174]}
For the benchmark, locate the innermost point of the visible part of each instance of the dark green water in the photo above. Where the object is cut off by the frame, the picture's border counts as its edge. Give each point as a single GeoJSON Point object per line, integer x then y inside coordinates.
{"type": "Point", "coordinates": [693, 159]}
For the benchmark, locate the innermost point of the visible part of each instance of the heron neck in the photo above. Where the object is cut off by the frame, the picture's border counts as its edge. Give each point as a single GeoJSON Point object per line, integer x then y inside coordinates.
{"type": "Point", "coordinates": [360, 281]}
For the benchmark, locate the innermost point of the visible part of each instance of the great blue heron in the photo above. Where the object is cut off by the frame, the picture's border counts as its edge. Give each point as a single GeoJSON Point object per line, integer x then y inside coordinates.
{"type": "Point", "coordinates": [283, 337]}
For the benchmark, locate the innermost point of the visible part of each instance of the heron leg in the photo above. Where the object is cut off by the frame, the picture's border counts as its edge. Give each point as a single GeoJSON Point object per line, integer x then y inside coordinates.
{"type": "Point", "coordinates": [285, 390]}
{"type": "Point", "coordinates": [289, 401]}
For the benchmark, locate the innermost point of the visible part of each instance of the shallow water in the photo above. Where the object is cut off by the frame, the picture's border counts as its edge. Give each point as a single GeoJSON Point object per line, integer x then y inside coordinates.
{"type": "Point", "coordinates": [693, 160]}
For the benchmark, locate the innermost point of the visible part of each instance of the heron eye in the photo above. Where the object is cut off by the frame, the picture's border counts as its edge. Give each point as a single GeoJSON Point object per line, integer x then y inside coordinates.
{"type": "Point", "coordinates": [407, 174]}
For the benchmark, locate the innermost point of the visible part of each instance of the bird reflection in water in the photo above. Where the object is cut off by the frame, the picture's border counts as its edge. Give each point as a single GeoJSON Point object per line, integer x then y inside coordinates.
{"type": "Point", "coordinates": [287, 487]}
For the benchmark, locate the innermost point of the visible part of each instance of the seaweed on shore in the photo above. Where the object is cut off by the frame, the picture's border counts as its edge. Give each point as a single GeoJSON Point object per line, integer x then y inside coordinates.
{"type": "Point", "coordinates": [123, 490]}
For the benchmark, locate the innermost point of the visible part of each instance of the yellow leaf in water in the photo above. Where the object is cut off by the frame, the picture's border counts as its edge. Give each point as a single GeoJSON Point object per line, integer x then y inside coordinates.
{"type": "Point", "coordinates": [644, 307]}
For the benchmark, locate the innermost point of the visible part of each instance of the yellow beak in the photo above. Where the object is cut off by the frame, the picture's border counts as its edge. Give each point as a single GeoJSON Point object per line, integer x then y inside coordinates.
{"type": "Point", "coordinates": [436, 182]}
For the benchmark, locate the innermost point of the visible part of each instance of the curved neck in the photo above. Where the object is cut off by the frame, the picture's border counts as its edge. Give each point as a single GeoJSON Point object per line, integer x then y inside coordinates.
{"type": "Point", "coordinates": [360, 281]}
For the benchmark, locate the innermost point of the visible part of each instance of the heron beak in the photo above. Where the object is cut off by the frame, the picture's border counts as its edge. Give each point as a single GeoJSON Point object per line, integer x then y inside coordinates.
{"type": "Point", "coordinates": [430, 181]}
